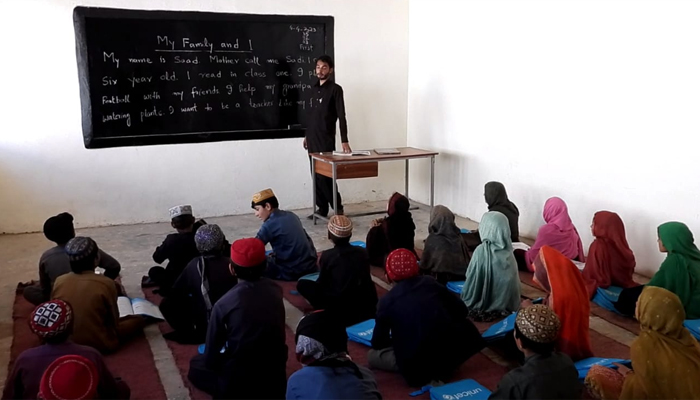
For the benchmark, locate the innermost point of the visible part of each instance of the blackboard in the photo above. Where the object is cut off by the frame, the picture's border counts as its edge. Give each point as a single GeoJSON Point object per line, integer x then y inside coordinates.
{"type": "Point", "coordinates": [160, 77]}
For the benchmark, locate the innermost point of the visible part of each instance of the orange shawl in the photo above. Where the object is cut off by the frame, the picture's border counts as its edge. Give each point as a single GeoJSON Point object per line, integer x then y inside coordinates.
{"type": "Point", "coordinates": [568, 297]}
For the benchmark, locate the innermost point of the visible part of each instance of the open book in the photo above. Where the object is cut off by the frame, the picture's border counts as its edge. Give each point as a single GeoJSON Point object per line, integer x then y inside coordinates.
{"type": "Point", "coordinates": [353, 153]}
{"type": "Point", "coordinates": [137, 306]}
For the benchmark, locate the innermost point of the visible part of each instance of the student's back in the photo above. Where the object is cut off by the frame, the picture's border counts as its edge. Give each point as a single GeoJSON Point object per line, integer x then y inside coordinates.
{"type": "Point", "coordinates": [546, 373]}
{"type": "Point", "coordinates": [550, 376]}
{"type": "Point", "coordinates": [179, 249]}
{"type": "Point", "coordinates": [346, 281]}
{"type": "Point", "coordinates": [94, 301]}
{"type": "Point", "coordinates": [293, 249]}
{"type": "Point", "coordinates": [320, 382]}
{"type": "Point", "coordinates": [428, 328]}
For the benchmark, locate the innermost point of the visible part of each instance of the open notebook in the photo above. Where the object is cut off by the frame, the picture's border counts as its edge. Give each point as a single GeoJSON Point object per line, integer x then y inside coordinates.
{"type": "Point", "coordinates": [353, 153]}
{"type": "Point", "coordinates": [137, 306]}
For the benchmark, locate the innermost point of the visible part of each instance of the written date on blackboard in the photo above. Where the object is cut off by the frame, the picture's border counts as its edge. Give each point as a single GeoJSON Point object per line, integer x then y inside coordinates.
{"type": "Point", "coordinates": [221, 77]}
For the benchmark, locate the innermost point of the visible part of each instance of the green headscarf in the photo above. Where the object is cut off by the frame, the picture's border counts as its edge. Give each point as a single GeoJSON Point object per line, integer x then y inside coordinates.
{"type": "Point", "coordinates": [492, 283]}
{"type": "Point", "coordinates": [680, 271]}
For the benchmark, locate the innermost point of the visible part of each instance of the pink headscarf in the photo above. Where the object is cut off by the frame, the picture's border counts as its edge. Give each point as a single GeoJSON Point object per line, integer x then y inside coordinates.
{"type": "Point", "coordinates": [558, 232]}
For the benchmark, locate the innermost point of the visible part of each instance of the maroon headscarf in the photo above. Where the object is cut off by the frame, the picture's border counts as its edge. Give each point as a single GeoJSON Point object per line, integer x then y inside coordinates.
{"type": "Point", "coordinates": [610, 259]}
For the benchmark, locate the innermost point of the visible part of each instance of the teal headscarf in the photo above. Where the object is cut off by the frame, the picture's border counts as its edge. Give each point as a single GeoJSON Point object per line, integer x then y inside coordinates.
{"type": "Point", "coordinates": [680, 271]}
{"type": "Point", "coordinates": [492, 282]}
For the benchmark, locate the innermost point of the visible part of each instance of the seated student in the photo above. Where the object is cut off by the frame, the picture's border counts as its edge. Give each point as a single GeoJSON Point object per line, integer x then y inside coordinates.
{"type": "Point", "coordinates": [558, 232]}
{"type": "Point", "coordinates": [203, 282]}
{"type": "Point", "coordinates": [327, 372]}
{"type": "Point", "coordinates": [679, 273]}
{"type": "Point", "coordinates": [54, 262]}
{"type": "Point", "coordinates": [178, 248]}
{"type": "Point", "coordinates": [94, 300]}
{"type": "Point", "coordinates": [395, 231]}
{"type": "Point", "coordinates": [70, 377]}
{"type": "Point", "coordinates": [492, 287]}
{"type": "Point", "coordinates": [421, 330]}
{"type": "Point", "coordinates": [445, 255]}
{"type": "Point", "coordinates": [245, 355]}
{"type": "Point", "coordinates": [665, 357]}
{"type": "Point", "coordinates": [294, 254]}
{"type": "Point", "coordinates": [497, 200]}
{"type": "Point", "coordinates": [546, 374]}
{"type": "Point", "coordinates": [610, 260]}
{"type": "Point", "coordinates": [344, 285]}
{"type": "Point", "coordinates": [568, 297]}
{"type": "Point", "coordinates": [52, 322]}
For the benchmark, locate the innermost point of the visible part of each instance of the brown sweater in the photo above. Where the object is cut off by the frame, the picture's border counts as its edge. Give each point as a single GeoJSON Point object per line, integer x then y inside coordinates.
{"type": "Point", "coordinates": [95, 313]}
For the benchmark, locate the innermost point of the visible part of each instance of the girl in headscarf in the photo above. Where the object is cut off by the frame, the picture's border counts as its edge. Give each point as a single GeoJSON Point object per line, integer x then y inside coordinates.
{"type": "Point", "coordinates": [445, 255]}
{"type": "Point", "coordinates": [558, 232]}
{"type": "Point", "coordinates": [328, 372]}
{"type": "Point", "coordinates": [497, 200]}
{"type": "Point", "coordinates": [395, 231]}
{"type": "Point", "coordinates": [679, 273]}
{"type": "Point", "coordinates": [567, 296]}
{"type": "Point", "coordinates": [610, 260]}
{"type": "Point", "coordinates": [665, 357]}
{"type": "Point", "coordinates": [492, 287]}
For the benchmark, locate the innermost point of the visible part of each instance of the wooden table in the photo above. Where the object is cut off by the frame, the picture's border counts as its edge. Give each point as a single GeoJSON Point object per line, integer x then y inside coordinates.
{"type": "Point", "coordinates": [353, 167]}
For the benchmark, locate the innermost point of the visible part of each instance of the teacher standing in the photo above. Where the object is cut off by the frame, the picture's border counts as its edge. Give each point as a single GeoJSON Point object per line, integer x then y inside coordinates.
{"type": "Point", "coordinates": [328, 107]}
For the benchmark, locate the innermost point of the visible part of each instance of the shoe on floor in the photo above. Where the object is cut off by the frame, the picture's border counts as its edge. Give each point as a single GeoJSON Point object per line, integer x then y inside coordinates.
{"type": "Point", "coordinates": [322, 214]}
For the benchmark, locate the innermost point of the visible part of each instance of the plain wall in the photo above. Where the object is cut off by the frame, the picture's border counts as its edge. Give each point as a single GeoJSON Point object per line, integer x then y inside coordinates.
{"type": "Point", "coordinates": [45, 169]}
{"type": "Point", "coordinates": [592, 101]}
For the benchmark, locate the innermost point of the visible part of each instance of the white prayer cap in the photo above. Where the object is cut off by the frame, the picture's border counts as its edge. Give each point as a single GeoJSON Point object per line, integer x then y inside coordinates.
{"type": "Point", "coordinates": [176, 211]}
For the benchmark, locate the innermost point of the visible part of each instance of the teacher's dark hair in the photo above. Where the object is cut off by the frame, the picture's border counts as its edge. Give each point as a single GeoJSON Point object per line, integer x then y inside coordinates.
{"type": "Point", "coordinates": [326, 59]}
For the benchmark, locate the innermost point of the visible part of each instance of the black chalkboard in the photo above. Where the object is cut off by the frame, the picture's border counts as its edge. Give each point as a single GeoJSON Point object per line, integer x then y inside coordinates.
{"type": "Point", "coordinates": [157, 77]}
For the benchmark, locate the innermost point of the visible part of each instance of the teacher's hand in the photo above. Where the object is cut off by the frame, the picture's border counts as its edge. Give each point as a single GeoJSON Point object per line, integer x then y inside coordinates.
{"type": "Point", "coordinates": [305, 146]}
{"type": "Point", "coordinates": [346, 148]}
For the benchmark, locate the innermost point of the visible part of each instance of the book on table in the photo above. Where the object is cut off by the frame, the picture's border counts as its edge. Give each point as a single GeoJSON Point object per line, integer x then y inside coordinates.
{"type": "Point", "coordinates": [137, 306]}
{"type": "Point", "coordinates": [387, 151]}
{"type": "Point", "coordinates": [353, 153]}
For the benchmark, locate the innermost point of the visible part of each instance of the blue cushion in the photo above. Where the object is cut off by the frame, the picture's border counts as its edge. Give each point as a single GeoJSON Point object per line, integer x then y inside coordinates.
{"type": "Point", "coordinates": [202, 347]}
{"type": "Point", "coordinates": [607, 298]}
{"type": "Point", "coordinates": [693, 326]}
{"type": "Point", "coordinates": [466, 389]}
{"type": "Point", "coordinates": [500, 329]}
{"type": "Point", "coordinates": [310, 277]}
{"type": "Point", "coordinates": [455, 286]}
{"type": "Point", "coordinates": [359, 243]}
{"type": "Point", "coordinates": [268, 252]}
{"type": "Point", "coordinates": [584, 365]}
{"type": "Point", "coordinates": [362, 332]}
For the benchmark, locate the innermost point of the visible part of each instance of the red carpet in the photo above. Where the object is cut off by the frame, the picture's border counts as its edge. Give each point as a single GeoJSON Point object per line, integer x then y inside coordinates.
{"type": "Point", "coordinates": [133, 362]}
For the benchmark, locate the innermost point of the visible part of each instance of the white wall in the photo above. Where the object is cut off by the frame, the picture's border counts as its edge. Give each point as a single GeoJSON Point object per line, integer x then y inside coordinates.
{"type": "Point", "coordinates": [594, 101]}
{"type": "Point", "coordinates": [44, 168]}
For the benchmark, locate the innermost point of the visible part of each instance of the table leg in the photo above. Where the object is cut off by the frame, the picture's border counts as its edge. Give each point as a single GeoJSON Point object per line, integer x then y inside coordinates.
{"type": "Point", "coordinates": [313, 189]}
{"type": "Point", "coordinates": [335, 189]}
{"type": "Point", "coordinates": [432, 182]}
{"type": "Point", "coordinates": [406, 182]}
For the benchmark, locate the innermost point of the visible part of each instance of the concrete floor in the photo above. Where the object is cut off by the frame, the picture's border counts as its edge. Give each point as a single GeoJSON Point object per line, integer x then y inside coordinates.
{"type": "Point", "coordinates": [133, 246]}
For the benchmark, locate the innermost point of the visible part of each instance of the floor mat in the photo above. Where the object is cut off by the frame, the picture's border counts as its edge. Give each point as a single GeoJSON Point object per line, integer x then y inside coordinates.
{"type": "Point", "coordinates": [133, 363]}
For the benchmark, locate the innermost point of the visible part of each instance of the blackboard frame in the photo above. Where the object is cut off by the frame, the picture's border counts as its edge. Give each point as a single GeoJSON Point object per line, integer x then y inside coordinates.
{"type": "Point", "coordinates": [81, 13]}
